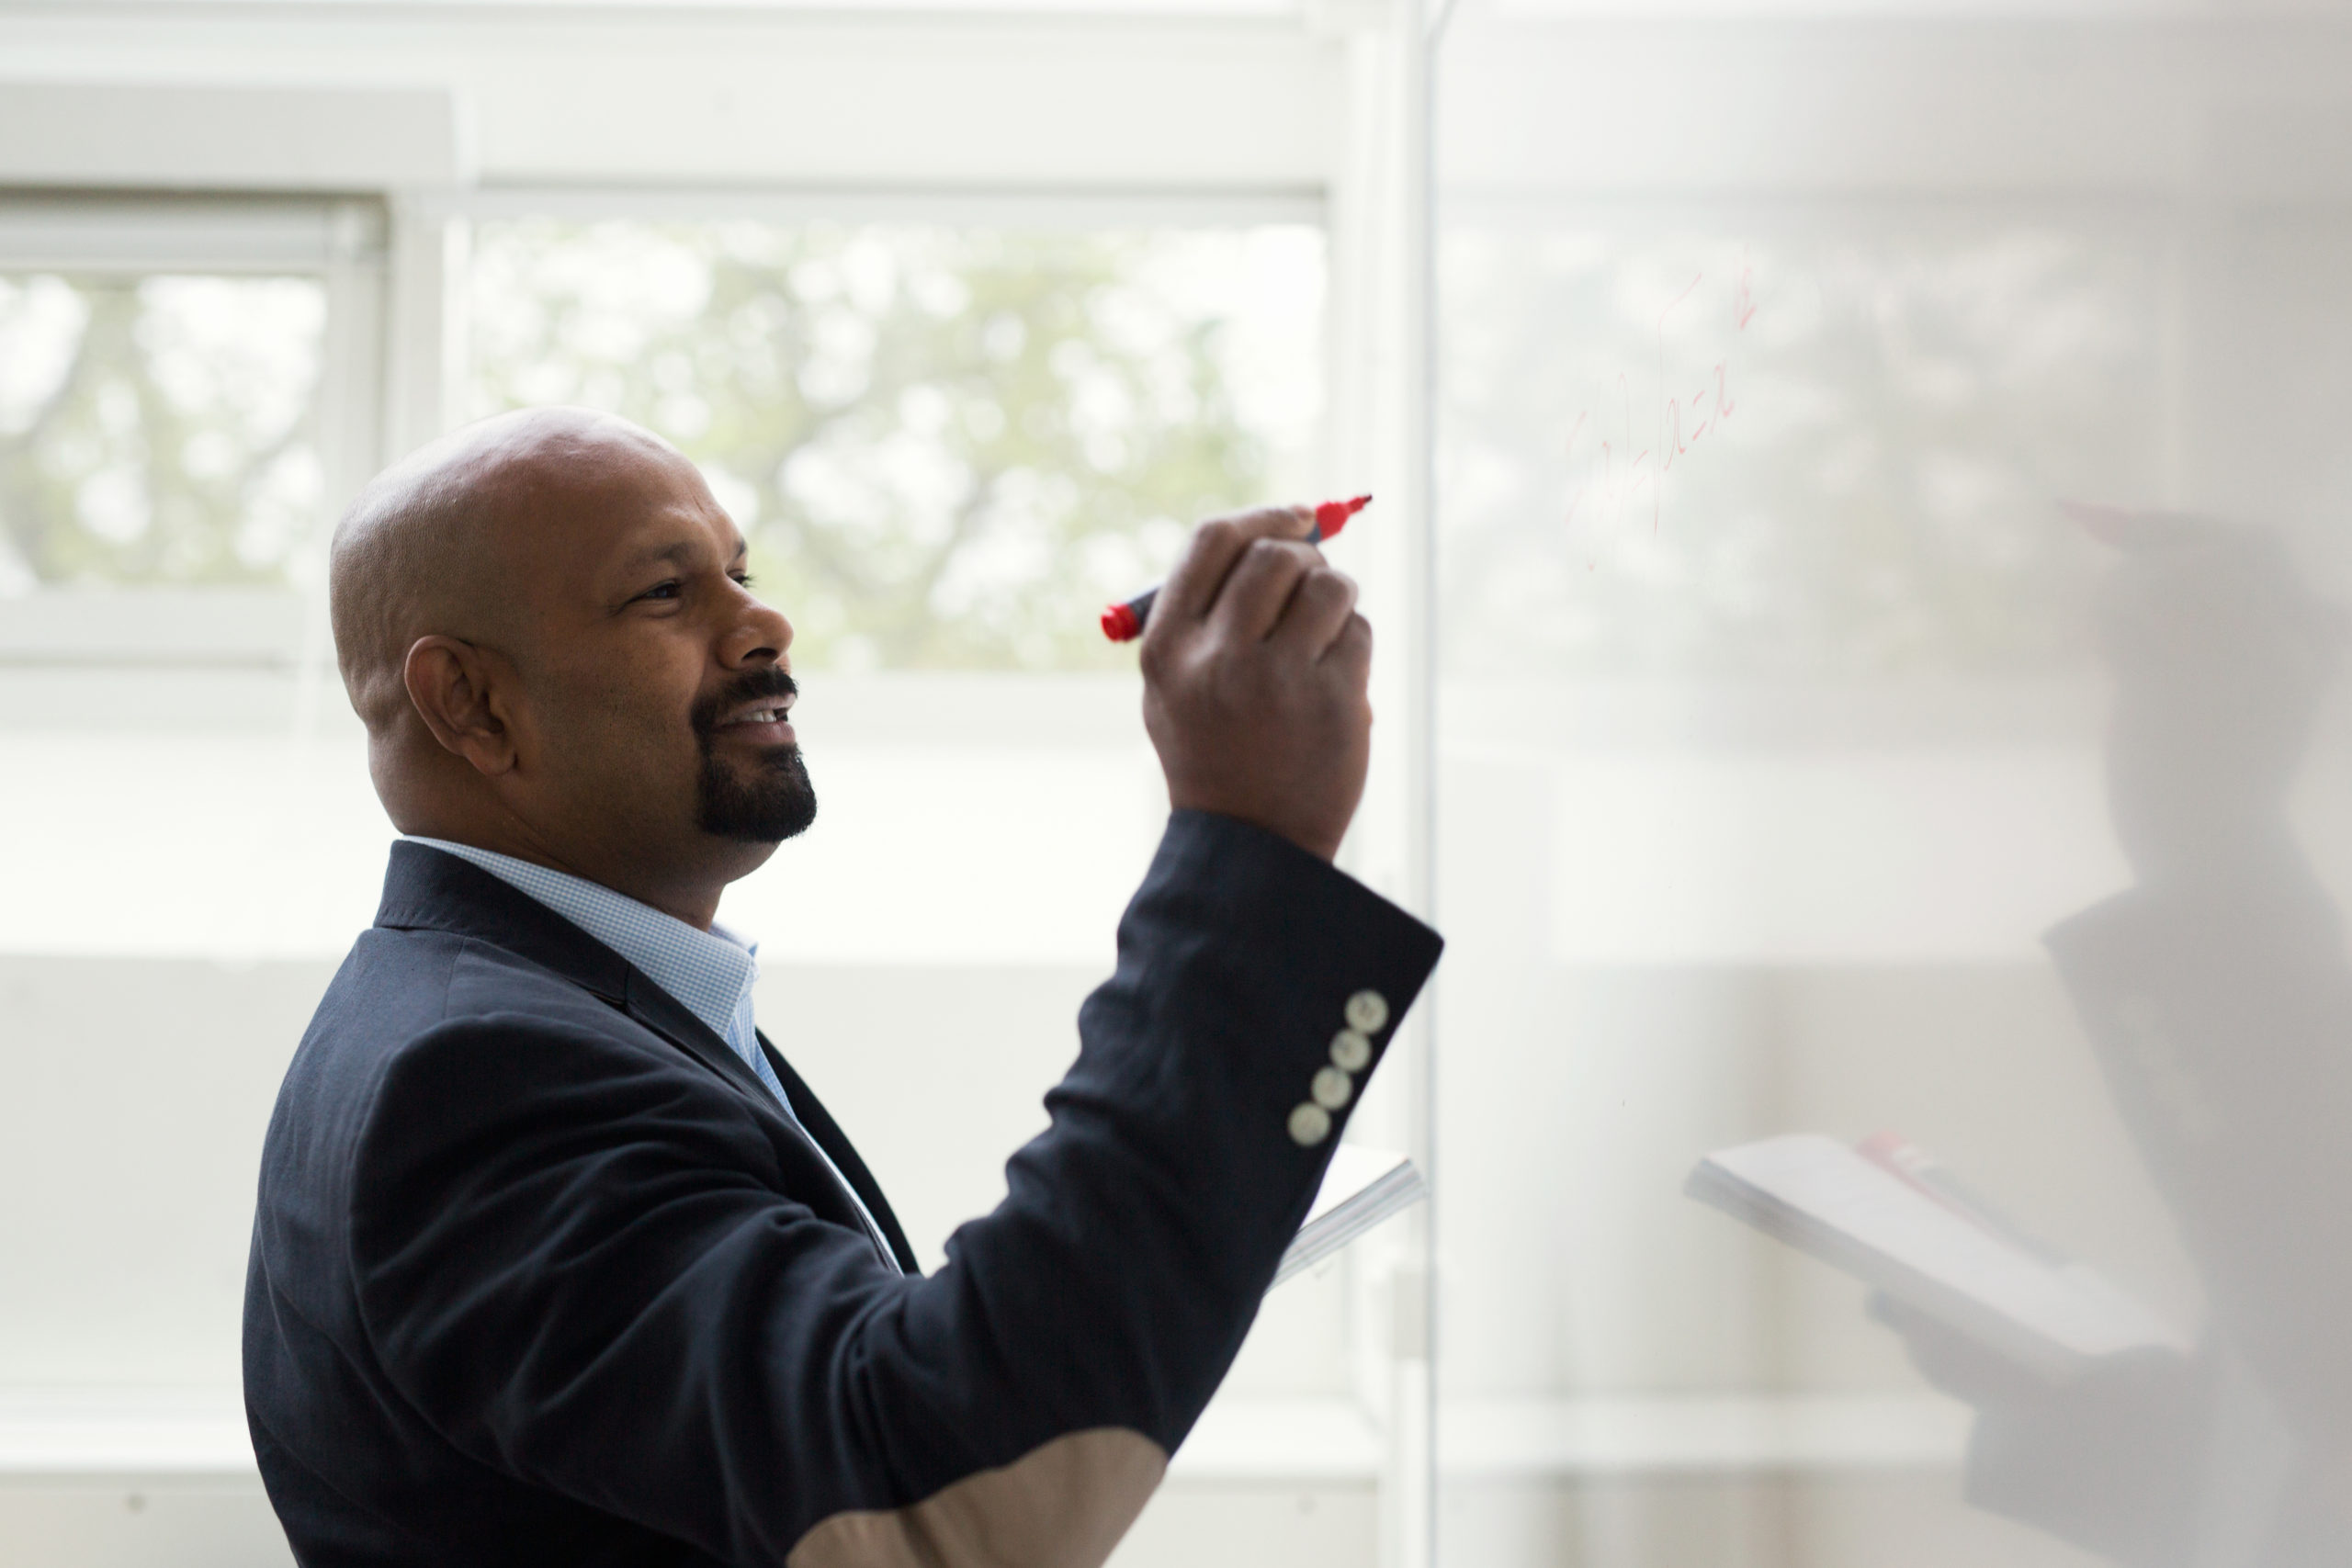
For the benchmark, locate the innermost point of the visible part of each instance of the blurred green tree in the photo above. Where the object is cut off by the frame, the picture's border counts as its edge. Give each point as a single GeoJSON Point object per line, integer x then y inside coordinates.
{"type": "Point", "coordinates": [949, 446]}
{"type": "Point", "coordinates": [157, 429]}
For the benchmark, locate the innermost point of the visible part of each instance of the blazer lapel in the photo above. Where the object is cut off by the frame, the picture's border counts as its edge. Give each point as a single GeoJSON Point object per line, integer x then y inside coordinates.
{"type": "Point", "coordinates": [426, 889]}
{"type": "Point", "coordinates": [674, 1021]}
{"type": "Point", "coordinates": [828, 1136]}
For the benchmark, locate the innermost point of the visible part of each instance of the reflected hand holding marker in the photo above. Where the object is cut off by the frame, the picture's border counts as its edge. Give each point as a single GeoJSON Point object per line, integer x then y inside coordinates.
{"type": "Point", "coordinates": [1125, 623]}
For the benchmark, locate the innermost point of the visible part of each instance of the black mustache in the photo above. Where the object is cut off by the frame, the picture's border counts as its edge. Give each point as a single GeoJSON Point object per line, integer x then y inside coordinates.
{"type": "Point", "coordinates": [751, 686]}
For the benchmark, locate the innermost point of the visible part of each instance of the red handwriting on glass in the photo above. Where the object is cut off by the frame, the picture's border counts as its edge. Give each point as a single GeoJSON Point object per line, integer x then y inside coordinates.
{"type": "Point", "coordinates": [1711, 407]}
{"type": "Point", "coordinates": [1616, 490]}
{"type": "Point", "coordinates": [1615, 481]}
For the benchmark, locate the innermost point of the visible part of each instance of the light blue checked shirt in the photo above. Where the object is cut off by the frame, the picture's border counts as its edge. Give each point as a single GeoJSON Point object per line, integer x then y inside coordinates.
{"type": "Point", "coordinates": [710, 972]}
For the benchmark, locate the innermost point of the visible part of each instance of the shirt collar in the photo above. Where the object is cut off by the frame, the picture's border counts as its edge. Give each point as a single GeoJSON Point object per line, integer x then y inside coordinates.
{"type": "Point", "coordinates": [710, 972]}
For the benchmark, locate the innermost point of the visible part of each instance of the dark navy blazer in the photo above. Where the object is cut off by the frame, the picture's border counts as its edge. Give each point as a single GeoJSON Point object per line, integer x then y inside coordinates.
{"type": "Point", "coordinates": [540, 1272]}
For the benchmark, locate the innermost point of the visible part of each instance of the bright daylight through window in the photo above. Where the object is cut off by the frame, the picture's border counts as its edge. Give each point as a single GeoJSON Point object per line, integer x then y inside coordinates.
{"type": "Point", "coordinates": [157, 430]}
{"type": "Point", "coordinates": [949, 446]}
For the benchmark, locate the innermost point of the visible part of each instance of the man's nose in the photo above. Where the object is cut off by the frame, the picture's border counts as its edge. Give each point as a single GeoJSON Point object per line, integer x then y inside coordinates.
{"type": "Point", "coordinates": [759, 636]}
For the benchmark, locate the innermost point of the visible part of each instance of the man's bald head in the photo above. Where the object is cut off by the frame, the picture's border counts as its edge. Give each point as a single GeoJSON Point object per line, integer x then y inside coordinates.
{"type": "Point", "coordinates": [545, 623]}
{"type": "Point", "coordinates": [432, 544]}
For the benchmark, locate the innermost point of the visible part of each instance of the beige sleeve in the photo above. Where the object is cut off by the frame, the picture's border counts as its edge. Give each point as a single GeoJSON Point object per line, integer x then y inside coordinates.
{"type": "Point", "coordinates": [1063, 1505]}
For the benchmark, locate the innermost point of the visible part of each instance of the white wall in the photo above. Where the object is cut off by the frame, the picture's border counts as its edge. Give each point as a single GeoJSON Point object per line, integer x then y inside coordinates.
{"type": "Point", "coordinates": [738, 95]}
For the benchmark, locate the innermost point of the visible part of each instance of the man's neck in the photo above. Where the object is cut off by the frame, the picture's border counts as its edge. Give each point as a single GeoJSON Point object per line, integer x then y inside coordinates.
{"type": "Point", "coordinates": [696, 906]}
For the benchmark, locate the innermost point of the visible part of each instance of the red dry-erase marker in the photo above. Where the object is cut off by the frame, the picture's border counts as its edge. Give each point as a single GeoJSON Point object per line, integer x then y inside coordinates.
{"type": "Point", "coordinates": [1124, 623]}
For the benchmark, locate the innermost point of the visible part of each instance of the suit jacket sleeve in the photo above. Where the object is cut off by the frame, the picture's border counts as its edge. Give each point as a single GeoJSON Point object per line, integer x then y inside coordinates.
{"type": "Point", "coordinates": [576, 1258]}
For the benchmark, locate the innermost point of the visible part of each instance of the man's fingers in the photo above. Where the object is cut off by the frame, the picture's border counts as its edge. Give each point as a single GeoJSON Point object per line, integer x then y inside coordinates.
{"type": "Point", "coordinates": [1255, 672]}
{"type": "Point", "coordinates": [1216, 545]}
{"type": "Point", "coordinates": [1317, 609]}
{"type": "Point", "coordinates": [1258, 590]}
{"type": "Point", "coordinates": [1351, 652]}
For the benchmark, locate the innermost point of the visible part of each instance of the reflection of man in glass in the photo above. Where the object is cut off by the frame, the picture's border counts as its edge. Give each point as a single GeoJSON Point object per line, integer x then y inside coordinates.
{"type": "Point", "coordinates": [2217, 997]}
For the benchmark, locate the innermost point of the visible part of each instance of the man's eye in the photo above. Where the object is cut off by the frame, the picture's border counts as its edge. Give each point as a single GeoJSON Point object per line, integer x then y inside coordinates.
{"type": "Point", "coordinates": [662, 591]}
{"type": "Point", "coordinates": [742, 579]}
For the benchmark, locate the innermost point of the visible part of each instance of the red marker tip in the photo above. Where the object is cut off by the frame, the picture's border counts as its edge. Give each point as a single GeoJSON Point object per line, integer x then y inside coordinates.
{"type": "Point", "coordinates": [1332, 516]}
{"type": "Point", "coordinates": [1121, 623]}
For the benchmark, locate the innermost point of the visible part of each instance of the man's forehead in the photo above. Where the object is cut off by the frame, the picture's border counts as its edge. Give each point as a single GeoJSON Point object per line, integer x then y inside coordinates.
{"type": "Point", "coordinates": [678, 536]}
{"type": "Point", "coordinates": [625, 508]}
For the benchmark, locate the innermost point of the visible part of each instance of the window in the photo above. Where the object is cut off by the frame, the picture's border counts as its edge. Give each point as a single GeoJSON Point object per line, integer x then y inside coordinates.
{"type": "Point", "coordinates": [949, 446]}
{"type": "Point", "coordinates": [186, 389]}
{"type": "Point", "coordinates": [158, 429]}
{"type": "Point", "coordinates": [172, 414]}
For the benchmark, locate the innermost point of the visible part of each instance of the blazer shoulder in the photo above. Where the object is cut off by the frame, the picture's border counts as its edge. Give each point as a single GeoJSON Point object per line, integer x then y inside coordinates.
{"type": "Point", "coordinates": [398, 984]}
{"type": "Point", "coordinates": [518, 1060]}
{"type": "Point", "coordinates": [487, 1017]}
{"type": "Point", "coordinates": [485, 980]}
{"type": "Point", "coordinates": [401, 990]}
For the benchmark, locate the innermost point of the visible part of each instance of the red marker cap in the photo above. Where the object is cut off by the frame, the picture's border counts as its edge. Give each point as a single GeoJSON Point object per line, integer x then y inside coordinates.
{"type": "Point", "coordinates": [1121, 623]}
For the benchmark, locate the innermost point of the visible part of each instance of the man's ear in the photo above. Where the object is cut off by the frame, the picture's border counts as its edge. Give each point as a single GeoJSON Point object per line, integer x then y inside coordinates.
{"type": "Point", "coordinates": [454, 687]}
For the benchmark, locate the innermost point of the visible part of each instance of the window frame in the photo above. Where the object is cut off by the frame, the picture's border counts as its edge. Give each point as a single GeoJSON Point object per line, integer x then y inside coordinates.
{"type": "Point", "coordinates": [341, 241]}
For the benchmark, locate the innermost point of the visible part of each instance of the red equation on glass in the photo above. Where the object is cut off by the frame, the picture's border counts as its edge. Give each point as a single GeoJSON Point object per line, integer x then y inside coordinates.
{"type": "Point", "coordinates": [1652, 423]}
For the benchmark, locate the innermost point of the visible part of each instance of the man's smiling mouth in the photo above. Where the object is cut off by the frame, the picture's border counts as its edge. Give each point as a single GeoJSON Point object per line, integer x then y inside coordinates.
{"type": "Point", "coordinates": [757, 711]}
{"type": "Point", "coordinates": [769, 714]}
{"type": "Point", "coordinates": [765, 720]}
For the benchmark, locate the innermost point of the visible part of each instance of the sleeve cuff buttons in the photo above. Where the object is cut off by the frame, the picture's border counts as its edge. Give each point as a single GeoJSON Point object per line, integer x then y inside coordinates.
{"type": "Point", "coordinates": [1351, 1051]}
{"type": "Point", "coordinates": [1333, 1087]}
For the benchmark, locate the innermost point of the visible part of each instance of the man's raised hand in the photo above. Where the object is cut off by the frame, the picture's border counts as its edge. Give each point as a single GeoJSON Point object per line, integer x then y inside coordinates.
{"type": "Point", "coordinates": [1255, 666]}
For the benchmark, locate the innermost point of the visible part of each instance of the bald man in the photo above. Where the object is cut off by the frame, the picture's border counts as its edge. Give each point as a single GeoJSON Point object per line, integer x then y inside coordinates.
{"type": "Point", "coordinates": [556, 1260]}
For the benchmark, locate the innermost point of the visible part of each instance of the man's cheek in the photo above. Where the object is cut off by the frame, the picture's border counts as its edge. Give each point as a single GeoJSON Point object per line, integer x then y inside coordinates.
{"type": "Point", "coordinates": [621, 705]}
{"type": "Point", "coordinates": [615, 735]}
